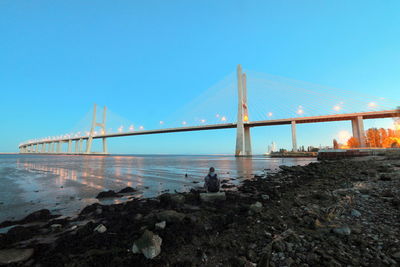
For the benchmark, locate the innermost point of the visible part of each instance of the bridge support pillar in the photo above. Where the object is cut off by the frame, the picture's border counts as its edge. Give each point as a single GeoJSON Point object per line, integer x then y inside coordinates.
{"type": "Point", "coordinates": [59, 147]}
{"type": "Point", "coordinates": [357, 125]}
{"type": "Point", "coordinates": [76, 146]}
{"type": "Point", "coordinates": [243, 137]}
{"type": "Point", "coordinates": [294, 137]}
{"type": "Point", "coordinates": [102, 125]}
{"type": "Point", "coordinates": [69, 146]}
{"type": "Point", "coordinates": [80, 145]}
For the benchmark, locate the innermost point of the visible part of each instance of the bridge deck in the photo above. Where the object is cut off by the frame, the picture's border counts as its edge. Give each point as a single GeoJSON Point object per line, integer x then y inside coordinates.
{"type": "Point", "coordinates": [325, 118]}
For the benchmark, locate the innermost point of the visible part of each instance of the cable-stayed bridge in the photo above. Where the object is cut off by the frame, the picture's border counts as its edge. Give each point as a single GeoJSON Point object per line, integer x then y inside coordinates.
{"type": "Point", "coordinates": [315, 100]}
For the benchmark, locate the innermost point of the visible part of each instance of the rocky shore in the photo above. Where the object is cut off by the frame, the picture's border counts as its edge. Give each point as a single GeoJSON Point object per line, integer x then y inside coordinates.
{"type": "Point", "coordinates": [338, 213]}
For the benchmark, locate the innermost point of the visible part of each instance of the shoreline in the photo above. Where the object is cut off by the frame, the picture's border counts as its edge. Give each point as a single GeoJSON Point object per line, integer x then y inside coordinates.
{"type": "Point", "coordinates": [326, 213]}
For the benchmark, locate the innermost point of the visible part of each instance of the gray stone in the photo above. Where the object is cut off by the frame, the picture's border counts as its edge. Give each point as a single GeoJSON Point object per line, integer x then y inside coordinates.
{"type": "Point", "coordinates": [100, 229]}
{"type": "Point", "coordinates": [265, 197]}
{"type": "Point", "coordinates": [355, 213]}
{"type": "Point", "coordinates": [56, 227]}
{"type": "Point", "coordinates": [8, 256]}
{"type": "Point", "coordinates": [256, 207]}
{"type": "Point", "coordinates": [170, 216]}
{"type": "Point", "coordinates": [149, 244]}
{"type": "Point", "coordinates": [161, 225]}
{"type": "Point", "coordinates": [211, 197]}
{"type": "Point", "coordinates": [342, 231]}
{"type": "Point", "coordinates": [178, 199]}
{"type": "Point", "coordinates": [385, 177]}
{"type": "Point", "coordinates": [396, 255]}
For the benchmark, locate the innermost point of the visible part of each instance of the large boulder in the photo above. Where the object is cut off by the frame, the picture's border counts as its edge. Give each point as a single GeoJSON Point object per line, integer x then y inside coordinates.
{"type": "Point", "coordinates": [149, 244]}
{"type": "Point", "coordinates": [8, 256]}
{"type": "Point", "coordinates": [211, 197]}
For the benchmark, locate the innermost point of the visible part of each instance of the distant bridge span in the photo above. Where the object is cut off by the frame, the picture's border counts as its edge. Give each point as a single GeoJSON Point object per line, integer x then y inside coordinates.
{"type": "Point", "coordinates": [354, 117]}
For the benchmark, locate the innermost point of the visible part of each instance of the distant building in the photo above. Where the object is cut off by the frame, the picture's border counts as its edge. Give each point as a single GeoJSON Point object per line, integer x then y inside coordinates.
{"type": "Point", "coordinates": [271, 148]}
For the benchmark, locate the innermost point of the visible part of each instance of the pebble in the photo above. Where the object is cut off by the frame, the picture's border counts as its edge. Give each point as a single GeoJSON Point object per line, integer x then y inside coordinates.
{"type": "Point", "coordinates": [100, 229]}
{"type": "Point", "coordinates": [256, 207]}
{"type": "Point", "coordinates": [355, 213]}
{"type": "Point", "coordinates": [344, 231]}
{"type": "Point", "coordinates": [56, 227]}
{"type": "Point", "coordinates": [265, 197]}
{"type": "Point", "coordinates": [161, 225]}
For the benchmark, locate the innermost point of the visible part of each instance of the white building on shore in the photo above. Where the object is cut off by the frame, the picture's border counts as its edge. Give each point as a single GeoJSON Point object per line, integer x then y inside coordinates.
{"type": "Point", "coordinates": [271, 148]}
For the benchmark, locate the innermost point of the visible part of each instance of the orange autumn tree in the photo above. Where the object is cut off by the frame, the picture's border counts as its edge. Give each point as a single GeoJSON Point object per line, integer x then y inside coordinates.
{"type": "Point", "coordinates": [353, 142]}
{"type": "Point", "coordinates": [385, 138]}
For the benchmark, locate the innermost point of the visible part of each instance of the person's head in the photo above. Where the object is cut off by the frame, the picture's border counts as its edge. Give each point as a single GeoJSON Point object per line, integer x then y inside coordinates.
{"type": "Point", "coordinates": [212, 169]}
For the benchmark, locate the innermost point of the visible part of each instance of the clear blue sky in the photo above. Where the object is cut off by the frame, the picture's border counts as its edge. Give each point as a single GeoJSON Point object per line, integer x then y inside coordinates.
{"type": "Point", "coordinates": [149, 58]}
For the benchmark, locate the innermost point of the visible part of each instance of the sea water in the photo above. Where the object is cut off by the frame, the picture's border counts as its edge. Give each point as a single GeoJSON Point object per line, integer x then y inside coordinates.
{"type": "Point", "coordinates": [65, 184]}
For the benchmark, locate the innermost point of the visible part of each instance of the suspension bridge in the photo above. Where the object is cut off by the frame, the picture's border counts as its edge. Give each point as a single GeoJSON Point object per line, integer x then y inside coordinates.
{"type": "Point", "coordinates": [82, 144]}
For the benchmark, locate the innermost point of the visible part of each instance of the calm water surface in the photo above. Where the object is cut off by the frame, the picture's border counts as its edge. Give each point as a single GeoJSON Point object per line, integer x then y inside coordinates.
{"type": "Point", "coordinates": [65, 184]}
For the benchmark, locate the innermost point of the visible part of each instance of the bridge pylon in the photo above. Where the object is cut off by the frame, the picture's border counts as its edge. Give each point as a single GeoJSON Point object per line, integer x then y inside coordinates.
{"type": "Point", "coordinates": [95, 124]}
{"type": "Point", "coordinates": [243, 137]}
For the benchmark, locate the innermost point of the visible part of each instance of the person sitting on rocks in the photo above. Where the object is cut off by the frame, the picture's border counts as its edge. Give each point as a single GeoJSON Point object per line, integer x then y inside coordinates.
{"type": "Point", "coordinates": [211, 181]}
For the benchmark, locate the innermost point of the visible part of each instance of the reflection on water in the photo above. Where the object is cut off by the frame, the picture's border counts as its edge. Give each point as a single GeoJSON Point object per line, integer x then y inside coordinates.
{"type": "Point", "coordinates": [67, 183]}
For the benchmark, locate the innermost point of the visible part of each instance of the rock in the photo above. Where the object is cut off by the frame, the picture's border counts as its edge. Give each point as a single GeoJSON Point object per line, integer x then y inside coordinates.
{"type": "Point", "coordinates": [211, 197]}
{"type": "Point", "coordinates": [8, 256]}
{"type": "Point", "coordinates": [343, 231]}
{"type": "Point", "coordinates": [40, 215]}
{"type": "Point", "coordinates": [396, 202]}
{"type": "Point", "coordinates": [170, 216]}
{"type": "Point", "coordinates": [178, 199]}
{"type": "Point", "coordinates": [127, 189]}
{"type": "Point", "coordinates": [227, 186]}
{"type": "Point", "coordinates": [99, 210]}
{"type": "Point", "coordinates": [160, 225]}
{"type": "Point", "coordinates": [109, 193]}
{"type": "Point", "coordinates": [396, 255]}
{"type": "Point", "coordinates": [56, 227]}
{"type": "Point", "coordinates": [149, 244]}
{"type": "Point", "coordinates": [265, 197]}
{"type": "Point", "coordinates": [256, 207]}
{"type": "Point", "coordinates": [138, 216]}
{"type": "Point", "coordinates": [100, 229]}
{"type": "Point", "coordinates": [355, 213]}
{"type": "Point", "coordinates": [385, 177]}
